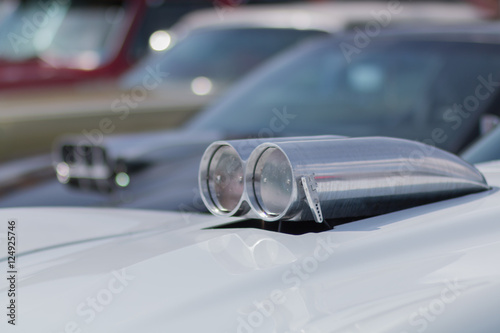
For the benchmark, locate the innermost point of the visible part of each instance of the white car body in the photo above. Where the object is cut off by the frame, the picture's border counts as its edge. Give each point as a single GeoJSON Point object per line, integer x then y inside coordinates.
{"type": "Point", "coordinates": [329, 16]}
{"type": "Point", "coordinates": [432, 268]}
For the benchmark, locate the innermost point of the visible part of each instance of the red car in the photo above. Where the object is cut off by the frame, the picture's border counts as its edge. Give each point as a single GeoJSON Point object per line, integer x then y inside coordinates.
{"type": "Point", "coordinates": [47, 43]}
{"type": "Point", "coordinates": [60, 42]}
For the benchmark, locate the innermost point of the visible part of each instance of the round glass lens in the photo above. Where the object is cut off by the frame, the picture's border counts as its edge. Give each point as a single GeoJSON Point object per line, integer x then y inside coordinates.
{"type": "Point", "coordinates": [273, 181]}
{"type": "Point", "coordinates": [225, 178]}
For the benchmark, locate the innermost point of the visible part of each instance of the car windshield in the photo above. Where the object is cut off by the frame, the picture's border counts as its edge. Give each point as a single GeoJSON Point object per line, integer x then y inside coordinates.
{"type": "Point", "coordinates": [393, 87]}
{"type": "Point", "coordinates": [218, 54]}
{"type": "Point", "coordinates": [26, 31]}
{"type": "Point", "coordinates": [97, 28]}
{"type": "Point", "coordinates": [48, 30]}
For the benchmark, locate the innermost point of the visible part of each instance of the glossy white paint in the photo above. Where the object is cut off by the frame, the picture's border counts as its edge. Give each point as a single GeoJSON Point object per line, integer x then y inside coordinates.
{"type": "Point", "coordinates": [432, 268]}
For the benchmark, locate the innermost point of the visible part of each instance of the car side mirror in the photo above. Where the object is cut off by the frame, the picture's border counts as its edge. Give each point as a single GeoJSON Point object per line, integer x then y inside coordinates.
{"type": "Point", "coordinates": [487, 123]}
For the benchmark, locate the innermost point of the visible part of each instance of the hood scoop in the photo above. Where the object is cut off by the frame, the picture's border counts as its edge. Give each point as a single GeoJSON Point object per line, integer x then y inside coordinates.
{"type": "Point", "coordinates": [331, 179]}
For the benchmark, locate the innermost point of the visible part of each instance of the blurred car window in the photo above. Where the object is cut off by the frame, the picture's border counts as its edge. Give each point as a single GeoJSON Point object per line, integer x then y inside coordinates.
{"type": "Point", "coordinates": [22, 39]}
{"type": "Point", "coordinates": [95, 31]}
{"type": "Point", "coordinates": [221, 54]}
{"type": "Point", "coordinates": [77, 34]}
{"type": "Point", "coordinates": [397, 87]}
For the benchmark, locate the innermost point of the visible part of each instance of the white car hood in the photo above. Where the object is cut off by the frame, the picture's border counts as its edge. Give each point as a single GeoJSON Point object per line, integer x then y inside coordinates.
{"type": "Point", "coordinates": [432, 268]}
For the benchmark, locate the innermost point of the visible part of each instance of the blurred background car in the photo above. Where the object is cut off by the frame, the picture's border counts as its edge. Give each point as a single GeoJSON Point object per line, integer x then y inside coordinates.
{"type": "Point", "coordinates": [428, 84]}
{"type": "Point", "coordinates": [191, 63]}
{"type": "Point", "coordinates": [434, 84]}
{"type": "Point", "coordinates": [55, 43]}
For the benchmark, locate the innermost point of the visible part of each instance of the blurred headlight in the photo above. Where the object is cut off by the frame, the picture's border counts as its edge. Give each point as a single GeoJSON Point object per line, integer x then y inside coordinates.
{"type": "Point", "coordinates": [160, 40]}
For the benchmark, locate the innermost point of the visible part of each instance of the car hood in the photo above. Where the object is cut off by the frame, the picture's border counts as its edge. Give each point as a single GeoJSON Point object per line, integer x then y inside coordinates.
{"type": "Point", "coordinates": [429, 268]}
